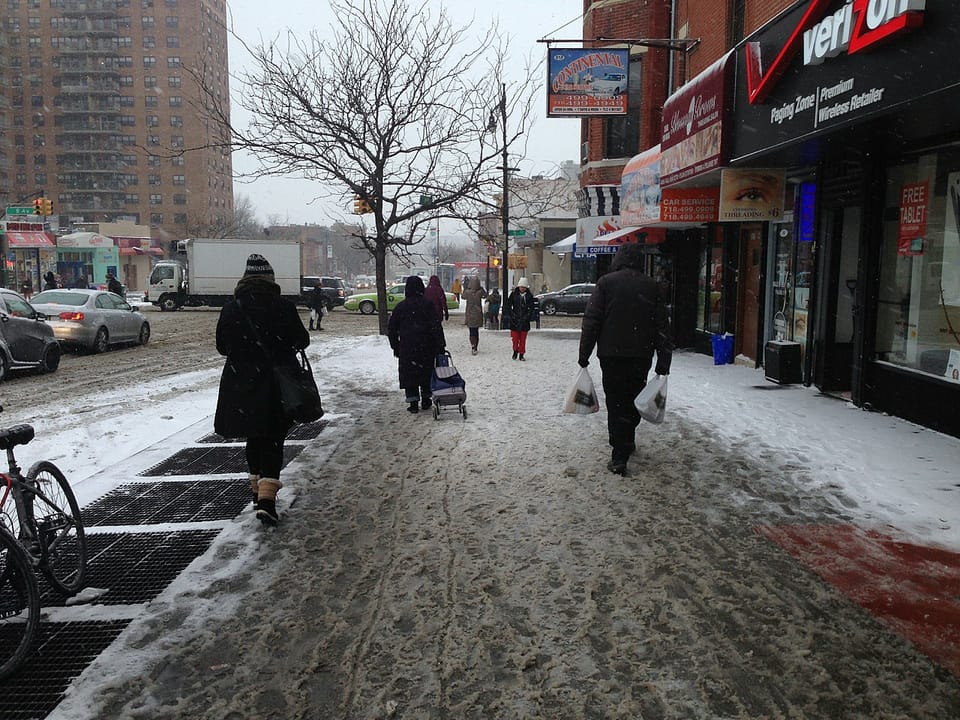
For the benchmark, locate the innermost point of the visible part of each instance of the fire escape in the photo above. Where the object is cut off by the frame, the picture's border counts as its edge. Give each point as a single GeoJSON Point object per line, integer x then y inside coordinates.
{"type": "Point", "coordinates": [89, 159]}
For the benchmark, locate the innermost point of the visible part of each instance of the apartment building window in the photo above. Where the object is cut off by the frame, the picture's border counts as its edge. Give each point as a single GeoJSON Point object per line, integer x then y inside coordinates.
{"type": "Point", "coordinates": [13, 25]}
{"type": "Point", "coordinates": [33, 4]}
{"type": "Point", "coordinates": [156, 218]}
{"type": "Point", "coordinates": [40, 179]}
{"type": "Point", "coordinates": [173, 81]}
{"type": "Point", "coordinates": [21, 178]}
{"type": "Point", "coordinates": [125, 42]}
{"type": "Point", "coordinates": [128, 139]}
{"type": "Point", "coordinates": [180, 219]}
{"type": "Point", "coordinates": [131, 199]}
{"type": "Point", "coordinates": [176, 121]}
{"type": "Point", "coordinates": [178, 161]}
{"type": "Point", "coordinates": [33, 22]}
{"type": "Point", "coordinates": [179, 199]}
{"type": "Point", "coordinates": [125, 61]}
{"type": "Point", "coordinates": [153, 161]}
{"type": "Point", "coordinates": [173, 22]}
{"type": "Point", "coordinates": [39, 159]}
{"type": "Point", "coordinates": [153, 120]}
{"type": "Point", "coordinates": [149, 81]}
{"type": "Point", "coordinates": [128, 121]}
{"type": "Point", "coordinates": [126, 81]}
{"type": "Point", "coordinates": [36, 62]}
{"type": "Point", "coordinates": [146, 22]}
{"type": "Point", "coordinates": [170, 3]}
{"type": "Point", "coordinates": [179, 179]}
{"type": "Point", "coordinates": [173, 41]}
{"type": "Point", "coordinates": [153, 180]}
{"type": "Point", "coordinates": [129, 160]}
{"type": "Point", "coordinates": [176, 141]}
{"type": "Point", "coordinates": [39, 140]}
{"type": "Point", "coordinates": [153, 139]}
{"type": "Point", "coordinates": [127, 101]}
{"type": "Point", "coordinates": [176, 101]}
{"type": "Point", "coordinates": [21, 159]}
{"type": "Point", "coordinates": [149, 62]}
{"type": "Point", "coordinates": [149, 42]}
{"type": "Point", "coordinates": [146, 4]}
{"type": "Point", "coordinates": [621, 134]}
{"type": "Point", "coordinates": [173, 61]}
{"type": "Point", "coordinates": [34, 43]}
{"type": "Point", "coordinates": [36, 101]}
{"type": "Point", "coordinates": [151, 101]}
{"type": "Point", "coordinates": [156, 199]}
{"type": "Point", "coordinates": [131, 179]}
{"type": "Point", "coordinates": [13, 5]}
{"type": "Point", "coordinates": [39, 120]}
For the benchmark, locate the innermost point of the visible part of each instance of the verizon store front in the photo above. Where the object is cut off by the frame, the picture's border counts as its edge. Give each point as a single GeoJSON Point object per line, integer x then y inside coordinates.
{"type": "Point", "coordinates": [861, 113]}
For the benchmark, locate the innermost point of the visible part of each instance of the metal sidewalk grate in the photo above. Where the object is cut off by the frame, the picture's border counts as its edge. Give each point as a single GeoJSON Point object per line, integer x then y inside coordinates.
{"type": "Point", "coordinates": [169, 501]}
{"type": "Point", "coordinates": [211, 461]}
{"type": "Point", "coordinates": [62, 651]}
{"type": "Point", "coordinates": [136, 567]}
{"type": "Point", "coordinates": [306, 431]}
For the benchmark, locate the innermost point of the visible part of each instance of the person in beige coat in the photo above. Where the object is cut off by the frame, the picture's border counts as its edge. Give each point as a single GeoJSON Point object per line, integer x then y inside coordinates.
{"type": "Point", "coordinates": [473, 315]}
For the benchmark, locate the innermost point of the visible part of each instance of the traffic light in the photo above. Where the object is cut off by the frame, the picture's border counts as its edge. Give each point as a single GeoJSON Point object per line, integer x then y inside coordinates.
{"type": "Point", "coordinates": [495, 261]}
{"type": "Point", "coordinates": [361, 206]}
{"type": "Point", "coordinates": [47, 207]}
{"type": "Point", "coordinates": [38, 206]}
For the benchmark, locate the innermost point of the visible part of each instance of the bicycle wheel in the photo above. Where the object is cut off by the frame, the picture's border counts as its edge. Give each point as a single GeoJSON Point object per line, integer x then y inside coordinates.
{"type": "Point", "coordinates": [19, 605]}
{"type": "Point", "coordinates": [58, 528]}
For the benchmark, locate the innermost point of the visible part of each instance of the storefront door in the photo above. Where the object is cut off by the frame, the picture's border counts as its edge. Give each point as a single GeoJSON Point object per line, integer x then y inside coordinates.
{"type": "Point", "coordinates": [836, 299]}
{"type": "Point", "coordinates": [748, 291]}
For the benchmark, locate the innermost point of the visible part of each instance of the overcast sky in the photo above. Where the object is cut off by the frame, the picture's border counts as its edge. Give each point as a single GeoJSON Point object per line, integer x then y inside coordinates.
{"type": "Point", "coordinates": [552, 140]}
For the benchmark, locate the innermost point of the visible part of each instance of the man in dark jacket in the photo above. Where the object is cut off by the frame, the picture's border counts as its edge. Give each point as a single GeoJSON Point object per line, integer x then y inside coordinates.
{"type": "Point", "coordinates": [317, 303]}
{"type": "Point", "coordinates": [113, 285]}
{"type": "Point", "coordinates": [416, 338]}
{"type": "Point", "coordinates": [626, 319]}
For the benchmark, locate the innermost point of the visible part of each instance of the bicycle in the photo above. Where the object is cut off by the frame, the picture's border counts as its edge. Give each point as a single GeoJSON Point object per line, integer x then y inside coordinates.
{"type": "Point", "coordinates": [46, 524]}
{"type": "Point", "coordinates": [19, 604]}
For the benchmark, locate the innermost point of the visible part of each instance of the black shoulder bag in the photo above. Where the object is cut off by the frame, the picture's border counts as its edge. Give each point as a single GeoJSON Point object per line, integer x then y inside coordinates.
{"type": "Point", "coordinates": [299, 396]}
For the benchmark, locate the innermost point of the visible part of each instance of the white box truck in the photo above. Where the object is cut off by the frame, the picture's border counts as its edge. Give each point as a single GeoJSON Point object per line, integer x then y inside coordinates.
{"type": "Point", "coordinates": [206, 271]}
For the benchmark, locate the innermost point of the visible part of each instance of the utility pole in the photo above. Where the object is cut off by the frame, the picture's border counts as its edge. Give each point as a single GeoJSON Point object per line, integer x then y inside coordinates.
{"type": "Point", "coordinates": [505, 209]}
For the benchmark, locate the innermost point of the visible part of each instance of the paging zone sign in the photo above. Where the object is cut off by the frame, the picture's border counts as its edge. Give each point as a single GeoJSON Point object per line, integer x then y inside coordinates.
{"type": "Point", "coordinates": [857, 26]}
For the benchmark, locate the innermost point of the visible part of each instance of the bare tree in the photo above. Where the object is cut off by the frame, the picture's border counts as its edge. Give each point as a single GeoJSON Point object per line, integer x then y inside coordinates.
{"type": "Point", "coordinates": [392, 112]}
{"type": "Point", "coordinates": [241, 222]}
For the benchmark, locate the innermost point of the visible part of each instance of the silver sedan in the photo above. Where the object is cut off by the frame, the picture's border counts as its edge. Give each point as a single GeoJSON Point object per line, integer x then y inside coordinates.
{"type": "Point", "coordinates": [91, 319]}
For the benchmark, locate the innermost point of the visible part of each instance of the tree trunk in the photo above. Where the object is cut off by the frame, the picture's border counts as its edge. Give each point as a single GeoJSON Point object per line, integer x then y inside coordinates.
{"type": "Point", "coordinates": [380, 263]}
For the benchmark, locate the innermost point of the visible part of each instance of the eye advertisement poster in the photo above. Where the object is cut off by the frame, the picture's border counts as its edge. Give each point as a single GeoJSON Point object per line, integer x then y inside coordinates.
{"type": "Point", "coordinates": [751, 195]}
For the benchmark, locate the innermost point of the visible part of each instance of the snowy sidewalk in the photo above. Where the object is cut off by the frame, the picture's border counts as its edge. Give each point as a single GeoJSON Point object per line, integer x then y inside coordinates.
{"type": "Point", "coordinates": [493, 568]}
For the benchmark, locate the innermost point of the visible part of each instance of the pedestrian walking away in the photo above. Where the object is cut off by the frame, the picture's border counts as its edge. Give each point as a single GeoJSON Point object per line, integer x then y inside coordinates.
{"type": "Point", "coordinates": [473, 314]}
{"type": "Point", "coordinates": [49, 281]}
{"type": "Point", "coordinates": [493, 309]}
{"type": "Point", "coordinates": [317, 303]}
{"type": "Point", "coordinates": [26, 287]}
{"type": "Point", "coordinates": [456, 288]}
{"type": "Point", "coordinates": [257, 330]}
{"type": "Point", "coordinates": [416, 338]}
{"type": "Point", "coordinates": [113, 285]}
{"type": "Point", "coordinates": [437, 297]}
{"type": "Point", "coordinates": [626, 320]}
{"type": "Point", "coordinates": [521, 306]}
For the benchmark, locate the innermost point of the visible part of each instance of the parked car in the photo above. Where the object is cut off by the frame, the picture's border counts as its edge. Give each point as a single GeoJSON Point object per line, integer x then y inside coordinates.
{"type": "Point", "coordinates": [92, 319]}
{"type": "Point", "coordinates": [571, 300]}
{"type": "Point", "coordinates": [366, 303]}
{"type": "Point", "coordinates": [334, 290]}
{"type": "Point", "coordinates": [26, 340]}
{"type": "Point", "coordinates": [611, 82]}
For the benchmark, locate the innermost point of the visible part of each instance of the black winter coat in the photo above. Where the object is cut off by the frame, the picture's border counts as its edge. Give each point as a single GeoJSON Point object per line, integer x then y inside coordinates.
{"type": "Point", "coordinates": [416, 338]}
{"type": "Point", "coordinates": [521, 307]}
{"type": "Point", "coordinates": [626, 316]}
{"type": "Point", "coordinates": [249, 403]}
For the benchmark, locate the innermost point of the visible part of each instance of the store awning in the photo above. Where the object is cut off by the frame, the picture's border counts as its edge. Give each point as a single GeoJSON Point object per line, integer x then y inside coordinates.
{"type": "Point", "coordinates": [158, 252]}
{"type": "Point", "coordinates": [28, 239]}
{"type": "Point", "coordinates": [562, 247]}
{"type": "Point", "coordinates": [646, 235]}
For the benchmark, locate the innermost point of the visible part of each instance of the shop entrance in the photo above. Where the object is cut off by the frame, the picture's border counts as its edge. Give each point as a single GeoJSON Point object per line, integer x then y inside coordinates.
{"type": "Point", "coordinates": [748, 291]}
{"type": "Point", "coordinates": [836, 299]}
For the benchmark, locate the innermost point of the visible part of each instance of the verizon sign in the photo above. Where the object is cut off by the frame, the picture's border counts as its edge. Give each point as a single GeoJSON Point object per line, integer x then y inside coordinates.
{"type": "Point", "coordinates": [856, 26]}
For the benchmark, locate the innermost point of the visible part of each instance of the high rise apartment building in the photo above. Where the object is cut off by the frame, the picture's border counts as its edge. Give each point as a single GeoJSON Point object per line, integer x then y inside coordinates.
{"type": "Point", "coordinates": [98, 111]}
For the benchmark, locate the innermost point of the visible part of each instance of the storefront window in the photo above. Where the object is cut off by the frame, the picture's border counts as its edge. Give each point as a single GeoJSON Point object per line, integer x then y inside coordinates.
{"type": "Point", "coordinates": [918, 312]}
{"type": "Point", "coordinates": [709, 300]}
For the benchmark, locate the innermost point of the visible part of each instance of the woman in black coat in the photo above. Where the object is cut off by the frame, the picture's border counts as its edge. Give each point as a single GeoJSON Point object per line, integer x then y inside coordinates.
{"type": "Point", "coordinates": [257, 329]}
{"type": "Point", "coordinates": [416, 338]}
{"type": "Point", "coordinates": [521, 306]}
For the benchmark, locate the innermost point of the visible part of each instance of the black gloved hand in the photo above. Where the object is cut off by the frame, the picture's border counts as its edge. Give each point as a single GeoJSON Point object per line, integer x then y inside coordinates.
{"type": "Point", "coordinates": [583, 362]}
{"type": "Point", "coordinates": [662, 370]}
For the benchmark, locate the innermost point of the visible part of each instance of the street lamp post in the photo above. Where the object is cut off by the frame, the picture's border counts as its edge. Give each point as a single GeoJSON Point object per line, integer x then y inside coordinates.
{"type": "Point", "coordinates": [505, 211]}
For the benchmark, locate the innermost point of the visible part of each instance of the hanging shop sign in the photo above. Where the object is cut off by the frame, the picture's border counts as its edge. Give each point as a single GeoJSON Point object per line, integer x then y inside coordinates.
{"type": "Point", "coordinates": [694, 138]}
{"type": "Point", "coordinates": [751, 195]}
{"type": "Point", "coordinates": [826, 65]}
{"type": "Point", "coordinates": [913, 219]}
{"type": "Point", "coordinates": [587, 82]}
{"type": "Point", "coordinates": [591, 232]}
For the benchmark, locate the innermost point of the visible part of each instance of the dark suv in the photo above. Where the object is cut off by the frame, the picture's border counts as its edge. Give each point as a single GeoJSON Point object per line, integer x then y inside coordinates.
{"type": "Point", "coordinates": [334, 290]}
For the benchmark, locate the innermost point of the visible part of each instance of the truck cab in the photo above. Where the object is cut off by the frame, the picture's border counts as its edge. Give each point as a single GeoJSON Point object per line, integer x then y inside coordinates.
{"type": "Point", "coordinates": [167, 286]}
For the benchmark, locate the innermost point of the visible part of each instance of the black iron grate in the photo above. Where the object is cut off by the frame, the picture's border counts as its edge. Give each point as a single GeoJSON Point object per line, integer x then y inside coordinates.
{"type": "Point", "coordinates": [306, 431]}
{"type": "Point", "coordinates": [136, 567]}
{"type": "Point", "coordinates": [169, 502]}
{"type": "Point", "coordinates": [211, 461]}
{"type": "Point", "coordinates": [62, 651]}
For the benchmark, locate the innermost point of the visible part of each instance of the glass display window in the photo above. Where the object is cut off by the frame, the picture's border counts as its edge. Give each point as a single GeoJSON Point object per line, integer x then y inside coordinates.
{"type": "Point", "coordinates": [710, 287]}
{"type": "Point", "coordinates": [918, 297]}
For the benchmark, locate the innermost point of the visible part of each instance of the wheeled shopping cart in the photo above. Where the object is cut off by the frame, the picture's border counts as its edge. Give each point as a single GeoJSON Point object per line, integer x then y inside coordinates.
{"type": "Point", "coordinates": [446, 386]}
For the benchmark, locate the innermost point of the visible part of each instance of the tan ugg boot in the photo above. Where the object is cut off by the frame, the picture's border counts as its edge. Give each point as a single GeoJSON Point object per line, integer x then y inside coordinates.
{"type": "Point", "coordinates": [267, 500]}
{"type": "Point", "coordinates": [254, 480]}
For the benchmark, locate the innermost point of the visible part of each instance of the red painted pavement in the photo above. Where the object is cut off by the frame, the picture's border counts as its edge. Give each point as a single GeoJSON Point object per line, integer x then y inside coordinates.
{"type": "Point", "coordinates": [914, 589]}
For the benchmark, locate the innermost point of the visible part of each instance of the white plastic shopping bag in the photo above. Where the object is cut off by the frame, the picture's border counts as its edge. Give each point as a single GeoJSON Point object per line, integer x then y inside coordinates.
{"type": "Point", "coordinates": [582, 395]}
{"type": "Point", "coordinates": [652, 400]}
